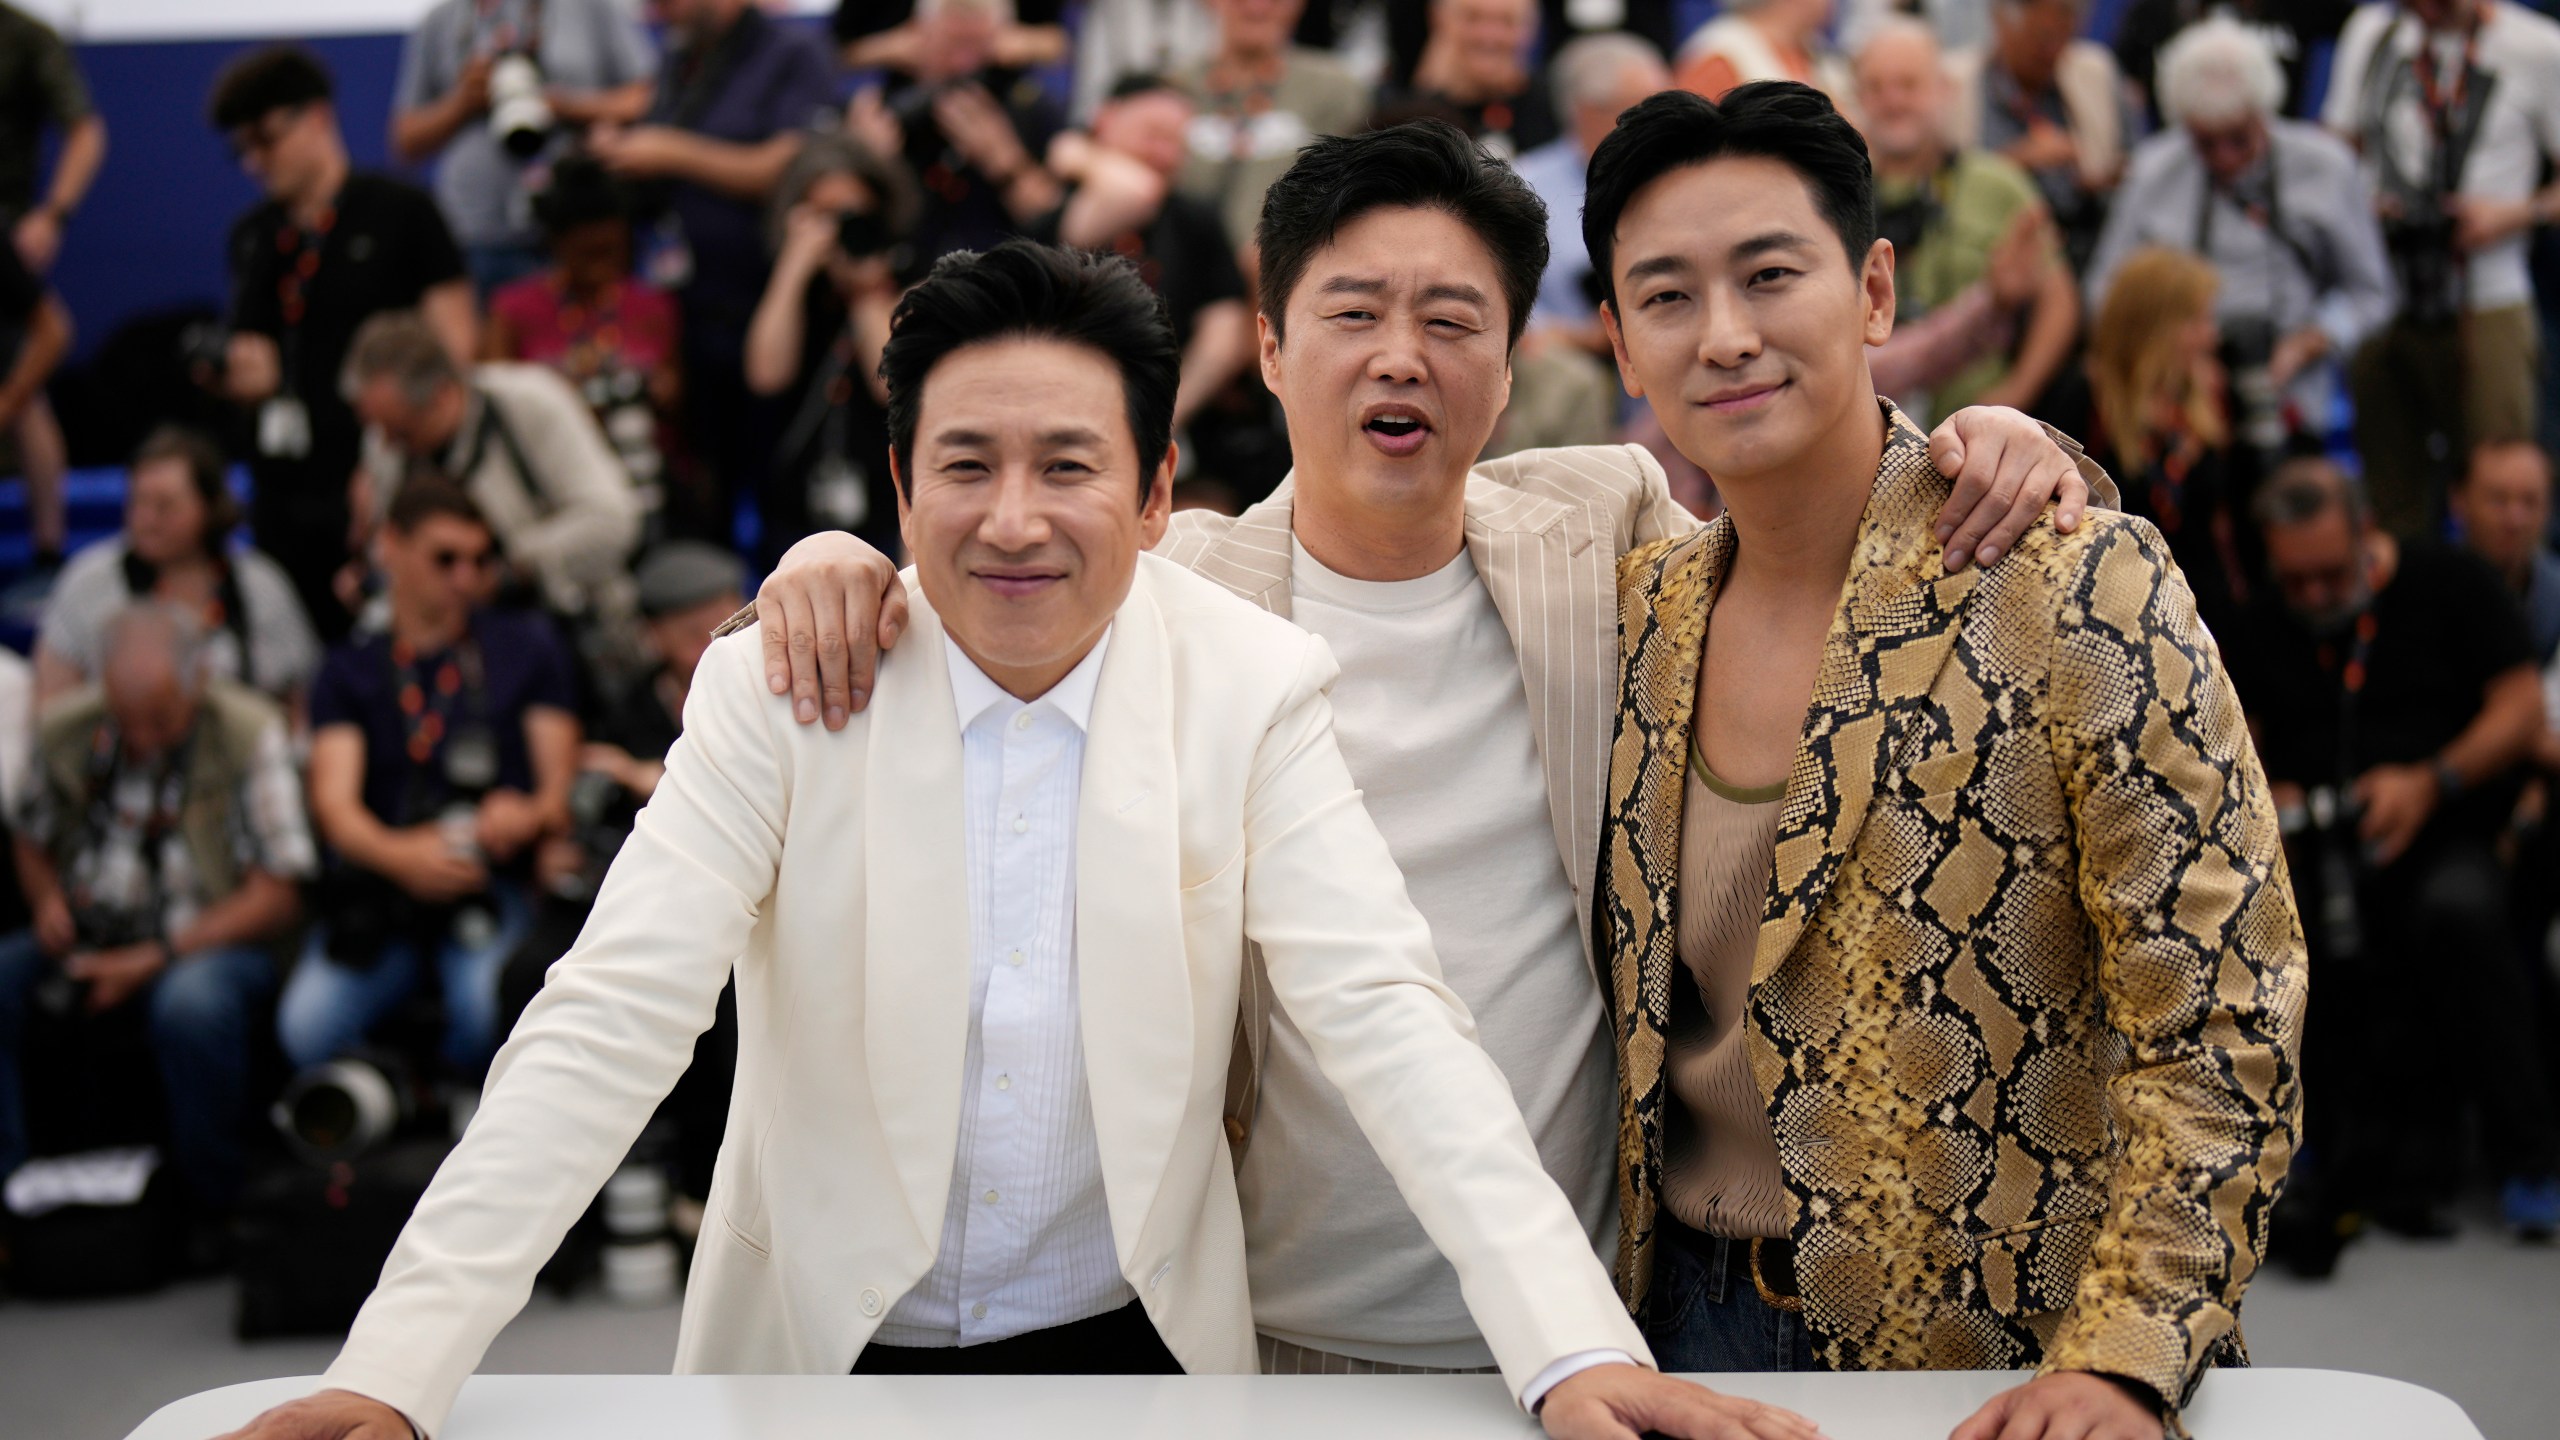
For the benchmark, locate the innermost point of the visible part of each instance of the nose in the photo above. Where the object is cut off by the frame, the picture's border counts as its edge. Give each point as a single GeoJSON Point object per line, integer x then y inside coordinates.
{"type": "Point", "coordinates": [1014, 521]}
{"type": "Point", "coordinates": [1398, 360]}
{"type": "Point", "coordinates": [1729, 338]}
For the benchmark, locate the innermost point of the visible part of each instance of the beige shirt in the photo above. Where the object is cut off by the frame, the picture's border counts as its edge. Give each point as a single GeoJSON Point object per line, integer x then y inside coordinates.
{"type": "Point", "coordinates": [1720, 1162]}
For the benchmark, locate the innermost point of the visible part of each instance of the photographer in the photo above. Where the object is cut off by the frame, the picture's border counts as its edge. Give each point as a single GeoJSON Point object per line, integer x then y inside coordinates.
{"type": "Point", "coordinates": [325, 250]}
{"type": "Point", "coordinates": [975, 140]}
{"type": "Point", "coordinates": [495, 87]}
{"type": "Point", "coordinates": [816, 339]}
{"type": "Point", "coordinates": [519, 440]}
{"type": "Point", "coordinates": [2456, 107]}
{"type": "Point", "coordinates": [159, 846]}
{"type": "Point", "coordinates": [2393, 695]}
{"type": "Point", "coordinates": [441, 759]}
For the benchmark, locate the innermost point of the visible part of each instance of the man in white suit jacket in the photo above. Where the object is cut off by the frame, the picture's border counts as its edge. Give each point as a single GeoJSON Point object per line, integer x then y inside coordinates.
{"type": "Point", "coordinates": [891, 952]}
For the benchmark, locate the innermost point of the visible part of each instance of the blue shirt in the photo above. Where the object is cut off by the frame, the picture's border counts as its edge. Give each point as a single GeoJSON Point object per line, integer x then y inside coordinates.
{"type": "Point", "coordinates": [522, 666]}
{"type": "Point", "coordinates": [1556, 170]}
{"type": "Point", "coordinates": [757, 81]}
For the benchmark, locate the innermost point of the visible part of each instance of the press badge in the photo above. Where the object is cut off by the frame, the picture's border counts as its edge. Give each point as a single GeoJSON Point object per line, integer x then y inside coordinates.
{"type": "Point", "coordinates": [284, 428]}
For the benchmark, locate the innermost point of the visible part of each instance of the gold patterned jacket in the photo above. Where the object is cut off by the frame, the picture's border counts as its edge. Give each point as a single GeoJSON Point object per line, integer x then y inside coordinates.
{"type": "Point", "coordinates": [2029, 983]}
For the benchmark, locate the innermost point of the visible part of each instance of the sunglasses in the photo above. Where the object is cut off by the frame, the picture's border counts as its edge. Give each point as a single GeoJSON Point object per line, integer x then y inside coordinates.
{"type": "Point", "coordinates": [260, 135]}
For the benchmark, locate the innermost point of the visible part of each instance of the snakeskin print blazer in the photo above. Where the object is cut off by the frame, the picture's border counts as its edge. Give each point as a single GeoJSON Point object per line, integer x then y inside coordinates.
{"type": "Point", "coordinates": [2029, 981]}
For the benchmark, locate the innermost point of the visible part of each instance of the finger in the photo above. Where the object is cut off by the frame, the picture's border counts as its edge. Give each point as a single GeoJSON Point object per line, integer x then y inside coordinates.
{"type": "Point", "coordinates": [2074, 501]}
{"type": "Point", "coordinates": [777, 661]}
{"type": "Point", "coordinates": [2036, 489]}
{"type": "Point", "coordinates": [826, 612]}
{"type": "Point", "coordinates": [1996, 486]}
{"type": "Point", "coordinates": [2026, 1422]}
{"type": "Point", "coordinates": [862, 644]}
{"type": "Point", "coordinates": [893, 614]}
{"type": "Point", "coordinates": [800, 645]}
{"type": "Point", "coordinates": [1984, 1423]}
{"type": "Point", "coordinates": [1947, 452]}
{"type": "Point", "coordinates": [1770, 1422]}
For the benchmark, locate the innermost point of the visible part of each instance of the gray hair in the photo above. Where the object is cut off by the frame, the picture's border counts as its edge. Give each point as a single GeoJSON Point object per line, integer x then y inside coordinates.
{"type": "Point", "coordinates": [151, 632]}
{"type": "Point", "coordinates": [1586, 71]}
{"type": "Point", "coordinates": [399, 346]}
{"type": "Point", "coordinates": [2304, 489]}
{"type": "Point", "coordinates": [1893, 26]}
{"type": "Point", "coordinates": [2218, 70]}
{"type": "Point", "coordinates": [825, 153]}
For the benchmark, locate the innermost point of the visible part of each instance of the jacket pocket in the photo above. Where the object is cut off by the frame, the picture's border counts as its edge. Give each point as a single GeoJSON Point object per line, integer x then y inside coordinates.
{"type": "Point", "coordinates": [2037, 1265]}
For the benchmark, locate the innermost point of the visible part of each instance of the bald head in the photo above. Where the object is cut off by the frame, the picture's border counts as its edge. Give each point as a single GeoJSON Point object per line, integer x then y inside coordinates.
{"type": "Point", "coordinates": [1902, 91]}
{"type": "Point", "coordinates": [154, 674]}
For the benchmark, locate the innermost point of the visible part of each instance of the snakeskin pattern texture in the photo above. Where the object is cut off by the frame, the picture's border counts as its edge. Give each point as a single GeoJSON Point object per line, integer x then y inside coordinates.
{"type": "Point", "coordinates": [2029, 983]}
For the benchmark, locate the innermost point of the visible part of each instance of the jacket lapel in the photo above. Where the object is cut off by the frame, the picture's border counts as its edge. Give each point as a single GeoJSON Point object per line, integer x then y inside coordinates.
{"type": "Point", "coordinates": [1133, 972]}
{"type": "Point", "coordinates": [916, 958]}
{"type": "Point", "coordinates": [1252, 558]}
{"type": "Point", "coordinates": [1898, 619]}
{"type": "Point", "coordinates": [1549, 572]}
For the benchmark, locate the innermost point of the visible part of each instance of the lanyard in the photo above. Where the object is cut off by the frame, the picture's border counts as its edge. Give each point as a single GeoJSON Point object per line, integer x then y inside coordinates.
{"type": "Point", "coordinates": [2351, 682]}
{"type": "Point", "coordinates": [432, 690]}
{"type": "Point", "coordinates": [300, 250]}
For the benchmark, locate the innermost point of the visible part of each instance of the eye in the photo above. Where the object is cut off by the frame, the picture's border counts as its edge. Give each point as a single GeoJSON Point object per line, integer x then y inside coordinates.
{"type": "Point", "coordinates": [1663, 297]}
{"type": "Point", "coordinates": [1352, 315]}
{"type": "Point", "coordinates": [1770, 275]}
{"type": "Point", "coordinates": [1070, 467]}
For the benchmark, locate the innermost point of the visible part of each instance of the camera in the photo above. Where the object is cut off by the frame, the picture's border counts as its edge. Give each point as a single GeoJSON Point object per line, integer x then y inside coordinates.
{"type": "Point", "coordinates": [518, 113]}
{"type": "Point", "coordinates": [205, 349]}
{"type": "Point", "coordinates": [345, 1107]}
{"type": "Point", "coordinates": [2248, 356]}
{"type": "Point", "coordinates": [861, 234]}
{"type": "Point", "coordinates": [2330, 865]}
{"type": "Point", "coordinates": [2419, 234]}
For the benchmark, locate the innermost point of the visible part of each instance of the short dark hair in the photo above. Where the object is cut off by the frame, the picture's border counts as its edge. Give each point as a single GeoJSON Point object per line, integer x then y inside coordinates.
{"type": "Point", "coordinates": [581, 192]}
{"type": "Point", "coordinates": [207, 470]}
{"type": "Point", "coordinates": [1782, 120]}
{"type": "Point", "coordinates": [1142, 82]}
{"type": "Point", "coordinates": [1429, 164]}
{"type": "Point", "coordinates": [422, 498]}
{"type": "Point", "coordinates": [2307, 488]}
{"type": "Point", "coordinates": [266, 80]}
{"type": "Point", "coordinates": [1025, 291]}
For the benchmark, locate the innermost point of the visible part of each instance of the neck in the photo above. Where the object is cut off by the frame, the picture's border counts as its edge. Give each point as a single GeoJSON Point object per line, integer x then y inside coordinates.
{"type": "Point", "coordinates": [189, 571]}
{"type": "Point", "coordinates": [1917, 164]}
{"type": "Point", "coordinates": [424, 632]}
{"type": "Point", "coordinates": [1796, 526]}
{"type": "Point", "coordinates": [1364, 542]}
{"type": "Point", "coordinates": [322, 193]}
{"type": "Point", "coordinates": [1250, 65]}
{"type": "Point", "coordinates": [1027, 683]}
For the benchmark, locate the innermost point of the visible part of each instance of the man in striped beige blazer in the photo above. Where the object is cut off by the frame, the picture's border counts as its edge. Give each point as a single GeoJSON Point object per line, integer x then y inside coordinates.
{"type": "Point", "coordinates": [1473, 613]}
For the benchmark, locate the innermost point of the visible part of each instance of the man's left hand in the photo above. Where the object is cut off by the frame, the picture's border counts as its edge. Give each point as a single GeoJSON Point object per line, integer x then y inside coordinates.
{"type": "Point", "coordinates": [2065, 1405]}
{"type": "Point", "coordinates": [2396, 801]}
{"type": "Point", "coordinates": [2480, 222]}
{"type": "Point", "coordinates": [509, 820]}
{"type": "Point", "coordinates": [1622, 1402]}
{"type": "Point", "coordinates": [979, 129]}
{"type": "Point", "coordinates": [638, 152]}
{"type": "Point", "coordinates": [2005, 467]}
{"type": "Point", "coordinates": [114, 975]}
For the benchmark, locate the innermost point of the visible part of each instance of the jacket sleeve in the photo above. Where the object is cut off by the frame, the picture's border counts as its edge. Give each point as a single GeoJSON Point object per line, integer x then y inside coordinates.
{"type": "Point", "coordinates": [585, 1068]}
{"type": "Point", "coordinates": [591, 515]}
{"type": "Point", "coordinates": [1351, 962]}
{"type": "Point", "coordinates": [2201, 964]}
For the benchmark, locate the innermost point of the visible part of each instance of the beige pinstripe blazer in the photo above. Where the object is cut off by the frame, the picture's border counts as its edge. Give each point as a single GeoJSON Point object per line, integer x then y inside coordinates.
{"type": "Point", "coordinates": [1545, 529]}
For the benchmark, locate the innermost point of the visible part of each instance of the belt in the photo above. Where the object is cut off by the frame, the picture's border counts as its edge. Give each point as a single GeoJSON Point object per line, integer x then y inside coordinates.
{"type": "Point", "coordinates": [1772, 1262]}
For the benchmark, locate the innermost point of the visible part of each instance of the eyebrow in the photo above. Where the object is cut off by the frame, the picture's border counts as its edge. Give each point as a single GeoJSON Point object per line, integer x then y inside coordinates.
{"type": "Point", "coordinates": [1062, 435]}
{"type": "Point", "coordinates": [1769, 240]}
{"type": "Point", "coordinates": [1364, 285]}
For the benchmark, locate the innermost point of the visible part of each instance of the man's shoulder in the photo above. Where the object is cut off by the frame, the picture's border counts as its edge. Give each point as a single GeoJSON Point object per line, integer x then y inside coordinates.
{"type": "Point", "coordinates": [1612, 477]}
{"type": "Point", "coordinates": [1993, 177]}
{"type": "Point", "coordinates": [1313, 74]}
{"type": "Point", "coordinates": [2158, 155]}
{"type": "Point", "coordinates": [2521, 25]}
{"type": "Point", "coordinates": [371, 195]}
{"type": "Point", "coordinates": [2312, 149]}
{"type": "Point", "coordinates": [1197, 606]}
{"type": "Point", "coordinates": [514, 383]}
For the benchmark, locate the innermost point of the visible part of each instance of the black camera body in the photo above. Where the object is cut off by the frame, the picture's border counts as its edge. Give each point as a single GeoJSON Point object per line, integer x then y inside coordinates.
{"type": "Point", "coordinates": [2420, 239]}
{"type": "Point", "coordinates": [2331, 864]}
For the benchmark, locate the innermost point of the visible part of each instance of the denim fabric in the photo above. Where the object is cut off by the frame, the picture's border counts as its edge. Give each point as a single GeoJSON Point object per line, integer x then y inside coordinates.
{"type": "Point", "coordinates": [329, 1008]}
{"type": "Point", "coordinates": [1707, 1316]}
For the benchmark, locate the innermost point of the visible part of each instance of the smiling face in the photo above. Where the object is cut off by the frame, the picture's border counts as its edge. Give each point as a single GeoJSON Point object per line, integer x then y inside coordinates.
{"type": "Point", "coordinates": [1395, 363]}
{"type": "Point", "coordinates": [1740, 320]}
{"type": "Point", "coordinates": [1901, 95]}
{"type": "Point", "coordinates": [1021, 503]}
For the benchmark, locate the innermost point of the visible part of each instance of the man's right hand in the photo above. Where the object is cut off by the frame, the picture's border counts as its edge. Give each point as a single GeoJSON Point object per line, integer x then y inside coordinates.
{"type": "Point", "coordinates": [329, 1415]}
{"type": "Point", "coordinates": [251, 368]}
{"type": "Point", "coordinates": [1623, 1402]}
{"type": "Point", "coordinates": [471, 87]}
{"type": "Point", "coordinates": [829, 610]}
{"type": "Point", "coordinates": [56, 931]}
{"type": "Point", "coordinates": [425, 866]}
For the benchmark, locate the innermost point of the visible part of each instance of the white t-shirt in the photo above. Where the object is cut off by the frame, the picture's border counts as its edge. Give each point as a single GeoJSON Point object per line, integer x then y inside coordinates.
{"type": "Point", "coordinates": [2516, 46]}
{"type": "Point", "coordinates": [1434, 723]}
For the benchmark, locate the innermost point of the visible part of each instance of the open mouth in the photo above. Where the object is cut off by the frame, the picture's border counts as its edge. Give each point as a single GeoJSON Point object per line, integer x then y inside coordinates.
{"type": "Point", "coordinates": [1396, 432]}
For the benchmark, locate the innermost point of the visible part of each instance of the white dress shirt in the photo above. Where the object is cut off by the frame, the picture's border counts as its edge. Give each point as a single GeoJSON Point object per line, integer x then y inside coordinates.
{"type": "Point", "coordinates": [1026, 1235]}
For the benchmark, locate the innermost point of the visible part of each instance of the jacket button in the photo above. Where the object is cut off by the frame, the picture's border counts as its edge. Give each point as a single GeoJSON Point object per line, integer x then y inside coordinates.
{"type": "Point", "coordinates": [1235, 1131]}
{"type": "Point", "coordinates": [870, 1302]}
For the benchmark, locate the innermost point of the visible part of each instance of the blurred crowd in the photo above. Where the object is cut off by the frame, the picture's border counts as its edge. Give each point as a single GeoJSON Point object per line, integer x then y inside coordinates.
{"type": "Point", "coordinates": [326, 764]}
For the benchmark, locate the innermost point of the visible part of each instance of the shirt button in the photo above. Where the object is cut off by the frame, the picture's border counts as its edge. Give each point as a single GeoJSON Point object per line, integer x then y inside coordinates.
{"type": "Point", "coordinates": [1021, 825]}
{"type": "Point", "coordinates": [978, 1311]}
{"type": "Point", "coordinates": [1014, 958]}
{"type": "Point", "coordinates": [991, 1197]}
{"type": "Point", "coordinates": [1004, 1082]}
{"type": "Point", "coordinates": [1022, 721]}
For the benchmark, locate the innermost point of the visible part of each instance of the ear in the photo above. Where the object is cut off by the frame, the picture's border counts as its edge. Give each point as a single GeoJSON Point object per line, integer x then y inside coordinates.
{"type": "Point", "coordinates": [1875, 278]}
{"type": "Point", "coordinates": [1618, 348]}
{"type": "Point", "coordinates": [1267, 342]}
{"type": "Point", "coordinates": [898, 485]}
{"type": "Point", "coordinates": [1157, 511]}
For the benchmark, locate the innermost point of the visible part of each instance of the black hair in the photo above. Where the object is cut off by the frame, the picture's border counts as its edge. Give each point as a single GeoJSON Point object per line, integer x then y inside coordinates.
{"type": "Point", "coordinates": [581, 192]}
{"type": "Point", "coordinates": [263, 81]}
{"type": "Point", "coordinates": [1782, 120]}
{"type": "Point", "coordinates": [1022, 290]}
{"type": "Point", "coordinates": [1426, 163]}
{"type": "Point", "coordinates": [422, 498]}
{"type": "Point", "coordinates": [1140, 82]}
{"type": "Point", "coordinates": [207, 471]}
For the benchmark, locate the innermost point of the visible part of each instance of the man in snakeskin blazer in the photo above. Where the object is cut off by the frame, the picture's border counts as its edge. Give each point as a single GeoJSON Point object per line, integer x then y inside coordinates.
{"type": "Point", "coordinates": [1956, 974]}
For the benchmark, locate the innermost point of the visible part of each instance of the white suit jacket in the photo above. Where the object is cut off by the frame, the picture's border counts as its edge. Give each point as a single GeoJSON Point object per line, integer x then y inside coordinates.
{"type": "Point", "coordinates": [827, 870]}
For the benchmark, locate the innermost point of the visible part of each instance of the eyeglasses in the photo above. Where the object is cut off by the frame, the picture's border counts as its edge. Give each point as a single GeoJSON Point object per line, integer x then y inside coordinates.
{"type": "Point", "coordinates": [452, 560]}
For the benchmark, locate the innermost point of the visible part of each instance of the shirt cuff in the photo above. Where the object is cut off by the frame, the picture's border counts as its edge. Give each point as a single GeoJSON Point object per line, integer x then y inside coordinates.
{"type": "Point", "coordinates": [1565, 1369]}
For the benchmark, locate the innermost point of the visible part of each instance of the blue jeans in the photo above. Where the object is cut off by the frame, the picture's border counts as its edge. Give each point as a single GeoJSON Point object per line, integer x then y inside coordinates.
{"type": "Point", "coordinates": [1705, 1314]}
{"type": "Point", "coordinates": [204, 1013]}
{"type": "Point", "coordinates": [329, 1008]}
